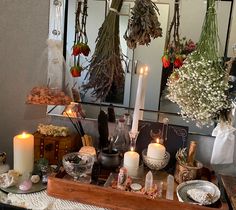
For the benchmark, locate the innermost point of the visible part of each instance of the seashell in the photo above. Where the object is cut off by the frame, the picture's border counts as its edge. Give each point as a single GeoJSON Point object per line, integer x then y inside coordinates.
{"type": "Point", "coordinates": [35, 179]}
{"type": "Point", "coordinates": [200, 196]}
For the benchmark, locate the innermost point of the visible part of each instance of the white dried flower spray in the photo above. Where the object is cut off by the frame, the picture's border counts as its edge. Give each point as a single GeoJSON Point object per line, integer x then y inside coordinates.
{"type": "Point", "coordinates": [200, 86]}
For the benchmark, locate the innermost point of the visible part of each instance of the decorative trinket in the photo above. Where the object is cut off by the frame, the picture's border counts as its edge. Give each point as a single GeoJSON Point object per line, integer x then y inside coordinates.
{"type": "Point", "coordinates": [122, 178]}
{"type": "Point", "coordinates": [35, 179]}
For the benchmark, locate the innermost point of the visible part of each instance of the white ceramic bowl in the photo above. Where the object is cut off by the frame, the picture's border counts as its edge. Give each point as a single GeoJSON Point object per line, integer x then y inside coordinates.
{"type": "Point", "coordinates": [155, 164]}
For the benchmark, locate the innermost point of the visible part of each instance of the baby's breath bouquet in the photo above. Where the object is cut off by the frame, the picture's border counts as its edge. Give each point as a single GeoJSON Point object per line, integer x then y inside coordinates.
{"type": "Point", "coordinates": [200, 86]}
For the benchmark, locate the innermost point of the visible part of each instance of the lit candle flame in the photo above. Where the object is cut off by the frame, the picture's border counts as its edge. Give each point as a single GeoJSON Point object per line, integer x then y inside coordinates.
{"type": "Point", "coordinates": [141, 72]}
{"type": "Point", "coordinates": [69, 111]}
{"type": "Point", "coordinates": [23, 134]}
{"type": "Point", "coordinates": [132, 149]}
{"type": "Point", "coordinates": [157, 141]}
{"type": "Point", "coordinates": [146, 70]}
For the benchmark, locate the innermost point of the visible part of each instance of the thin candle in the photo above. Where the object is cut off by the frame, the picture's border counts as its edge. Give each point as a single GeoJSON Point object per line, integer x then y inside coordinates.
{"type": "Point", "coordinates": [136, 114]}
{"type": "Point", "coordinates": [143, 93]}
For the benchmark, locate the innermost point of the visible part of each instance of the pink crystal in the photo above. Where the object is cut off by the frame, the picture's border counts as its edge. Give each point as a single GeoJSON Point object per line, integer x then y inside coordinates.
{"type": "Point", "coordinates": [25, 185]}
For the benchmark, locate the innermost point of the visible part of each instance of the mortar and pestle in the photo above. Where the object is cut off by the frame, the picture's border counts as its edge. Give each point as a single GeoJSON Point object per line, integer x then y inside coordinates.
{"type": "Point", "coordinates": [108, 157]}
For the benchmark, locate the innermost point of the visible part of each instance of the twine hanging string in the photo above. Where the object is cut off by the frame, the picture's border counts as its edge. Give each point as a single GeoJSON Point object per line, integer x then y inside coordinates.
{"type": "Point", "coordinates": [174, 25]}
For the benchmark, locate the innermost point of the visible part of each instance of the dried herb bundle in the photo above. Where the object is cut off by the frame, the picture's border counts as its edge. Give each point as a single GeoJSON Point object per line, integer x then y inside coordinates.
{"type": "Point", "coordinates": [143, 24]}
{"type": "Point", "coordinates": [106, 64]}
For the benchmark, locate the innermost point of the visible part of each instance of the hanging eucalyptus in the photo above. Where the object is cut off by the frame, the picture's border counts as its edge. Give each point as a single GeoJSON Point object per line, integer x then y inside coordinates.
{"type": "Point", "coordinates": [200, 86]}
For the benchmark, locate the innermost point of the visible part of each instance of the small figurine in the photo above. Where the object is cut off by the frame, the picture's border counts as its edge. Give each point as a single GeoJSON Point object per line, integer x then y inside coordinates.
{"type": "Point", "coordinates": [122, 178]}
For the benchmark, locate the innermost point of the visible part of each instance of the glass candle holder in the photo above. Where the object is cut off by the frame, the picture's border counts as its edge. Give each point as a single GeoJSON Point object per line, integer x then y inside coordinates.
{"type": "Point", "coordinates": [133, 138]}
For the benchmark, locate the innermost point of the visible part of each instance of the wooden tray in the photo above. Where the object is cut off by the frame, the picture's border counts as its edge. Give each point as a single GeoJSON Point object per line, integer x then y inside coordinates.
{"type": "Point", "coordinates": [113, 199]}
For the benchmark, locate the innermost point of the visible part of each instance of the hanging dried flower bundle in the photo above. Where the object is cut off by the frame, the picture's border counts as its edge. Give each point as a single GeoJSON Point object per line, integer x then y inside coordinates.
{"type": "Point", "coordinates": [200, 86]}
{"type": "Point", "coordinates": [106, 65]}
{"type": "Point", "coordinates": [176, 50]}
{"type": "Point", "coordinates": [80, 46]}
{"type": "Point", "coordinates": [143, 24]}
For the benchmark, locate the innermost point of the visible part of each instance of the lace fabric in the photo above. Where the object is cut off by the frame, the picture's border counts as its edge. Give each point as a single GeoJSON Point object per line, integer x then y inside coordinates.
{"type": "Point", "coordinates": [41, 201]}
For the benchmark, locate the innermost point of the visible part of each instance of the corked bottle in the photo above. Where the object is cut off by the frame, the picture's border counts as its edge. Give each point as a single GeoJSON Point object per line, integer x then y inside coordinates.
{"type": "Point", "coordinates": [192, 153]}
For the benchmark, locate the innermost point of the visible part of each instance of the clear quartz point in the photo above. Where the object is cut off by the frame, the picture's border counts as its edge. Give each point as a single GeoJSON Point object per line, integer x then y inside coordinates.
{"type": "Point", "coordinates": [170, 187]}
{"type": "Point", "coordinates": [148, 181]}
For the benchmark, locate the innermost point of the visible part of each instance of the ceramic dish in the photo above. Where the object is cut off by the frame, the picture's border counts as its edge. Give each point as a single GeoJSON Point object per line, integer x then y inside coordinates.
{"type": "Point", "coordinates": [35, 188]}
{"type": "Point", "coordinates": [205, 186]}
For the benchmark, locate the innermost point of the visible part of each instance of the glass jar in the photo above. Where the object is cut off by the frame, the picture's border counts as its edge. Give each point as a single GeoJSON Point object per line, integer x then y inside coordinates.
{"type": "Point", "coordinates": [121, 136]}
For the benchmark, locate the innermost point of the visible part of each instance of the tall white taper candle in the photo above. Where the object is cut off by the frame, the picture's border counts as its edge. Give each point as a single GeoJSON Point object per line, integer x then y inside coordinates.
{"type": "Point", "coordinates": [136, 114]}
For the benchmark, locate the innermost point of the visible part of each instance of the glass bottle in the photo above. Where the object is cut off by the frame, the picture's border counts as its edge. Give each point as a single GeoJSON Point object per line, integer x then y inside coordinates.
{"type": "Point", "coordinates": [121, 136]}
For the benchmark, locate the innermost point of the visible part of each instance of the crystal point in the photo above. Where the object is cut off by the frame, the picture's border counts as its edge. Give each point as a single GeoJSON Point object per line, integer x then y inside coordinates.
{"type": "Point", "coordinates": [148, 181]}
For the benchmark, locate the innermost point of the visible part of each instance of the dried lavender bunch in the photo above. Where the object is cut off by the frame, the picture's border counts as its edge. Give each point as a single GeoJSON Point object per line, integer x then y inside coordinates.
{"type": "Point", "coordinates": [106, 64]}
{"type": "Point", "coordinates": [143, 24]}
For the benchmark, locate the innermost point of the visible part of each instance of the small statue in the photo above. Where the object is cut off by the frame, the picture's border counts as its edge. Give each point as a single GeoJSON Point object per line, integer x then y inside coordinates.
{"type": "Point", "coordinates": [122, 178]}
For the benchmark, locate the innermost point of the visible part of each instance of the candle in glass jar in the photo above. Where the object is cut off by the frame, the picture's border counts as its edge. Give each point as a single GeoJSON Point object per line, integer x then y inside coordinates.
{"type": "Point", "coordinates": [131, 160]}
{"type": "Point", "coordinates": [23, 146]}
{"type": "Point", "coordinates": [156, 151]}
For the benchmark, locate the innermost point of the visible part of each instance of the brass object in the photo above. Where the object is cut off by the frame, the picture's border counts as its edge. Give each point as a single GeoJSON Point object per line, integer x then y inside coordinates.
{"type": "Point", "coordinates": [192, 153]}
{"type": "Point", "coordinates": [185, 173]}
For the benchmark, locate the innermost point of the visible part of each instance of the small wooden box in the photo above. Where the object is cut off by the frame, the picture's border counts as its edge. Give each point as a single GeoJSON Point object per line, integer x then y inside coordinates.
{"type": "Point", "coordinates": [53, 148]}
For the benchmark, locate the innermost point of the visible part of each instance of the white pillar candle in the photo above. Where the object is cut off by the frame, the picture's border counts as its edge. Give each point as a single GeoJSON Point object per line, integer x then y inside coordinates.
{"type": "Point", "coordinates": [156, 151]}
{"type": "Point", "coordinates": [142, 103]}
{"type": "Point", "coordinates": [136, 114]}
{"type": "Point", "coordinates": [131, 161]}
{"type": "Point", "coordinates": [23, 146]}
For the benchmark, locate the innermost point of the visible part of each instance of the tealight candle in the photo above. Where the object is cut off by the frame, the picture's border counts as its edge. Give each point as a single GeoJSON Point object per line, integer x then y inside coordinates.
{"type": "Point", "coordinates": [23, 146]}
{"type": "Point", "coordinates": [131, 161]}
{"type": "Point", "coordinates": [156, 151]}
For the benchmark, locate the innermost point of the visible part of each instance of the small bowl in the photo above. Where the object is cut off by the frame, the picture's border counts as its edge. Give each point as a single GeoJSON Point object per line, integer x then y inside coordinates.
{"type": "Point", "coordinates": [155, 164]}
{"type": "Point", "coordinates": [77, 165]}
{"type": "Point", "coordinates": [109, 160]}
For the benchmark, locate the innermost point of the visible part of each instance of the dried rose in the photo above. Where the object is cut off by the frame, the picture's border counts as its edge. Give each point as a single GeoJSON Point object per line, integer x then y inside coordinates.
{"type": "Point", "coordinates": [178, 61]}
{"type": "Point", "coordinates": [85, 49]}
{"type": "Point", "coordinates": [76, 49]}
{"type": "Point", "coordinates": [76, 71]}
{"type": "Point", "coordinates": [166, 61]}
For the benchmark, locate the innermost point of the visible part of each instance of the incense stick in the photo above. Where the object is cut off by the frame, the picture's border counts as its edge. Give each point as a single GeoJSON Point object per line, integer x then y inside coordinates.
{"type": "Point", "coordinates": [77, 129]}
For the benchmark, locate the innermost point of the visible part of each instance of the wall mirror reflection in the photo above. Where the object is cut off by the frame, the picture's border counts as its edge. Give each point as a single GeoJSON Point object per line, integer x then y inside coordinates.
{"type": "Point", "coordinates": [191, 19]}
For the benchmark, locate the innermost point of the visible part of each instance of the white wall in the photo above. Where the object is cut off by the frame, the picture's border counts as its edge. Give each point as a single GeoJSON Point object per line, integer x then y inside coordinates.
{"type": "Point", "coordinates": [23, 34]}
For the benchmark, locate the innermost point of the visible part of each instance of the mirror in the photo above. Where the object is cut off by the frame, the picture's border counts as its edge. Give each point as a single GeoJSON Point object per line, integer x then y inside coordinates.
{"type": "Point", "coordinates": [135, 59]}
{"type": "Point", "coordinates": [192, 14]}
